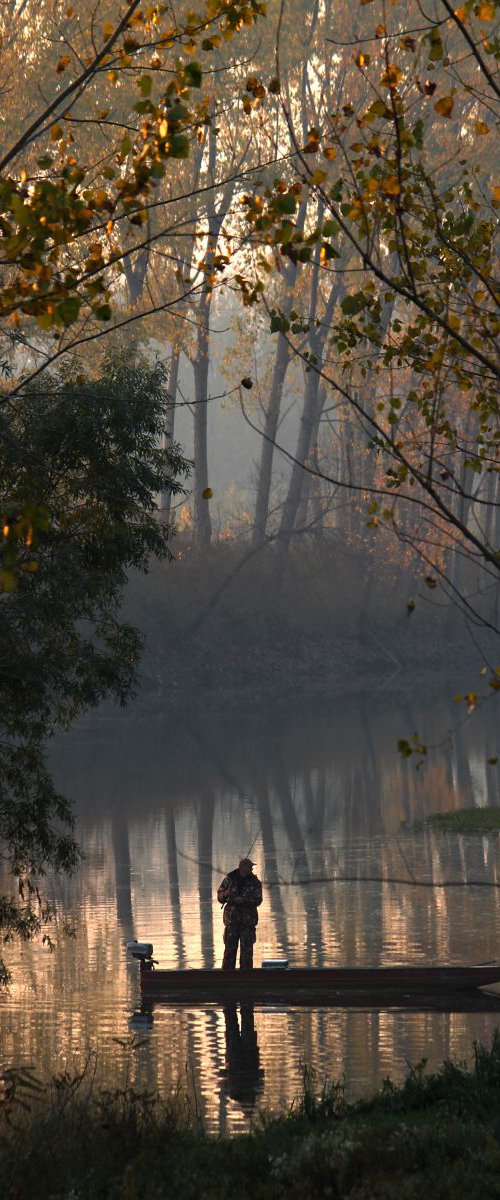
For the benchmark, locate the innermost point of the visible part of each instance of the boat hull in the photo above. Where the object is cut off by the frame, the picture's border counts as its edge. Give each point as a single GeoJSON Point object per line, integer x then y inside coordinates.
{"type": "Point", "coordinates": [330, 985]}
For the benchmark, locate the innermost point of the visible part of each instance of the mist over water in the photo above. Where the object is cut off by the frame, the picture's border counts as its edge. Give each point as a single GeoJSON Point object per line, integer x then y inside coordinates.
{"type": "Point", "coordinates": [165, 808]}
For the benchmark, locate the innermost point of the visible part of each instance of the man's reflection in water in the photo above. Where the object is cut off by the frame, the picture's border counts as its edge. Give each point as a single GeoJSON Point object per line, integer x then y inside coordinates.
{"type": "Point", "coordinates": [243, 1077]}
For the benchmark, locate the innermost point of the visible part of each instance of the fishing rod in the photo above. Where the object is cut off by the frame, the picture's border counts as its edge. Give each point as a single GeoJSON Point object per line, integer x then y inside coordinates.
{"type": "Point", "coordinates": [317, 879]}
{"type": "Point", "coordinates": [248, 853]}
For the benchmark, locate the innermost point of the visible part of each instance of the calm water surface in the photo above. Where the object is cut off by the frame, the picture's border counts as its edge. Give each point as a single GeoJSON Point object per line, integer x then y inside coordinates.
{"type": "Point", "coordinates": [165, 809]}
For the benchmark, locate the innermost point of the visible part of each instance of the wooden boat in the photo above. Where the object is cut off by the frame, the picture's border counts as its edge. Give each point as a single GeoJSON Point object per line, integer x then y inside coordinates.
{"type": "Point", "coordinates": [302, 984]}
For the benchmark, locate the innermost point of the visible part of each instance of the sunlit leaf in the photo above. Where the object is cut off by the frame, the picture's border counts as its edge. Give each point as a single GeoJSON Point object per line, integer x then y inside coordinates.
{"type": "Point", "coordinates": [444, 107]}
{"type": "Point", "coordinates": [391, 185]}
{"type": "Point", "coordinates": [392, 77]}
{"type": "Point", "coordinates": [486, 11]}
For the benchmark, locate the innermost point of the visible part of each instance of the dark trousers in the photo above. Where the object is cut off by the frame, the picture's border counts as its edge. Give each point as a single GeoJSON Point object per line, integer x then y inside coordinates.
{"type": "Point", "coordinates": [245, 936]}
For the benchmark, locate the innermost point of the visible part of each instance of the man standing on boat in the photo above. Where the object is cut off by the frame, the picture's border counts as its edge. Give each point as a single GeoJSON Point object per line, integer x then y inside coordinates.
{"type": "Point", "coordinates": [240, 893]}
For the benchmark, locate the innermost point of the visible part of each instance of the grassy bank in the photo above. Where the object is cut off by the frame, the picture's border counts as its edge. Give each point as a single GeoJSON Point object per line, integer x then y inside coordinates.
{"type": "Point", "coordinates": [437, 1137]}
{"type": "Point", "coordinates": [482, 821]}
{"type": "Point", "coordinates": [466, 820]}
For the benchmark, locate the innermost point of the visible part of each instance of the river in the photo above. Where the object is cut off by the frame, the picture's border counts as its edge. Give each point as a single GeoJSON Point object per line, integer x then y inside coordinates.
{"type": "Point", "coordinates": [165, 808]}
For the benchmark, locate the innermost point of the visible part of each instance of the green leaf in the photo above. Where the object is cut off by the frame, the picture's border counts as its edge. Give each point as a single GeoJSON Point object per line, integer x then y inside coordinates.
{"type": "Point", "coordinates": [285, 203]}
{"type": "Point", "coordinates": [351, 305]}
{"type": "Point", "coordinates": [45, 320]}
{"type": "Point", "coordinates": [69, 309]}
{"type": "Point", "coordinates": [179, 146]}
{"type": "Point", "coordinates": [145, 85]}
{"type": "Point", "coordinates": [418, 134]}
{"type": "Point", "coordinates": [102, 312]}
{"type": "Point", "coordinates": [279, 323]}
{"type": "Point", "coordinates": [193, 74]}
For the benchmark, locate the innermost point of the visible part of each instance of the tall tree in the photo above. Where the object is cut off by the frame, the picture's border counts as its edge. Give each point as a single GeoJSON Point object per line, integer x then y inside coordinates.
{"type": "Point", "coordinates": [403, 170]}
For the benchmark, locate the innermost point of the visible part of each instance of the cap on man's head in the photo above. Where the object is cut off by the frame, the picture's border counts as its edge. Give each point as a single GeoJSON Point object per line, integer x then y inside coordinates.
{"type": "Point", "coordinates": [245, 862]}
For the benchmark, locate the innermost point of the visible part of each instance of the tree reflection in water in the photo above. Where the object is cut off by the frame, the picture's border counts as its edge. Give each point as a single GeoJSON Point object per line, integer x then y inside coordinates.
{"type": "Point", "coordinates": [164, 807]}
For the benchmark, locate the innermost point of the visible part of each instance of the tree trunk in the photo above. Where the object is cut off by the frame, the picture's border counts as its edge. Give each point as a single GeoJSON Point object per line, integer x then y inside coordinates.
{"type": "Point", "coordinates": [312, 398]}
{"type": "Point", "coordinates": [202, 519]}
{"type": "Point", "coordinates": [165, 500]}
{"type": "Point", "coordinates": [281, 362]}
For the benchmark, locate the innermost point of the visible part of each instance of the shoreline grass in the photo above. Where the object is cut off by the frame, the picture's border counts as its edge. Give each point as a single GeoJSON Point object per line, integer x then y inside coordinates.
{"type": "Point", "coordinates": [481, 821]}
{"type": "Point", "coordinates": [435, 1137]}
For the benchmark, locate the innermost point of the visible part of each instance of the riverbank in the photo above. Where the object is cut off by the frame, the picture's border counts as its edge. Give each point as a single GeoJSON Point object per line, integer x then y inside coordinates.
{"type": "Point", "coordinates": [222, 628]}
{"type": "Point", "coordinates": [437, 1137]}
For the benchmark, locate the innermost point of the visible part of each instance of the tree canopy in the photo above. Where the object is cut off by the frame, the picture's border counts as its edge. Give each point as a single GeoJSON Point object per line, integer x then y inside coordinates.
{"type": "Point", "coordinates": [90, 446]}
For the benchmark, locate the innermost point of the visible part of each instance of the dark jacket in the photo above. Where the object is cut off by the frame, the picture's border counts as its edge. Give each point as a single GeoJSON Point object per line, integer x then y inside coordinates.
{"type": "Point", "coordinates": [250, 890]}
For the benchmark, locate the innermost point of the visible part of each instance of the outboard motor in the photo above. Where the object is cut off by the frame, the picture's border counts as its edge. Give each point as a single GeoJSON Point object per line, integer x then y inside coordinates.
{"type": "Point", "coordinates": [143, 951]}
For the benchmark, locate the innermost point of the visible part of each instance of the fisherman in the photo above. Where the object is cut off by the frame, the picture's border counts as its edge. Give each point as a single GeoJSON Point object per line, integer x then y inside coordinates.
{"type": "Point", "coordinates": [240, 893]}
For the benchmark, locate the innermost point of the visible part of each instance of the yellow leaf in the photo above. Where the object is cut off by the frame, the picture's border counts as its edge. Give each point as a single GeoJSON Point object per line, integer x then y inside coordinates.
{"type": "Point", "coordinates": [163, 129]}
{"type": "Point", "coordinates": [496, 194]}
{"type": "Point", "coordinates": [64, 62]}
{"type": "Point", "coordinates": [444, 107]}
{"type": "Point", "coordinates": [329, 152]}
{"type": "Point", "coordinates": [391, 185]}
{"type": "Point", "coordinates": [360, 59]}
{"type": "Point", "coordinates": [486, 11]}
{"type": "Point", "coordinates": [392, 77]}
{"type": "Point", "coordinates": [461, 13]}
{"type": "Point", "coordinates": [207, 493]}
{"type": "Point", "coordinates": [55, 133]}
{"type": "Point", "coordinates": [108, 30]}
{"type": "Point", "coordinates": [482, 128]}
{"type": "Point", "coordinates": [317, 177]}
{"type": "Point", "coordinates": [380, 31]}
